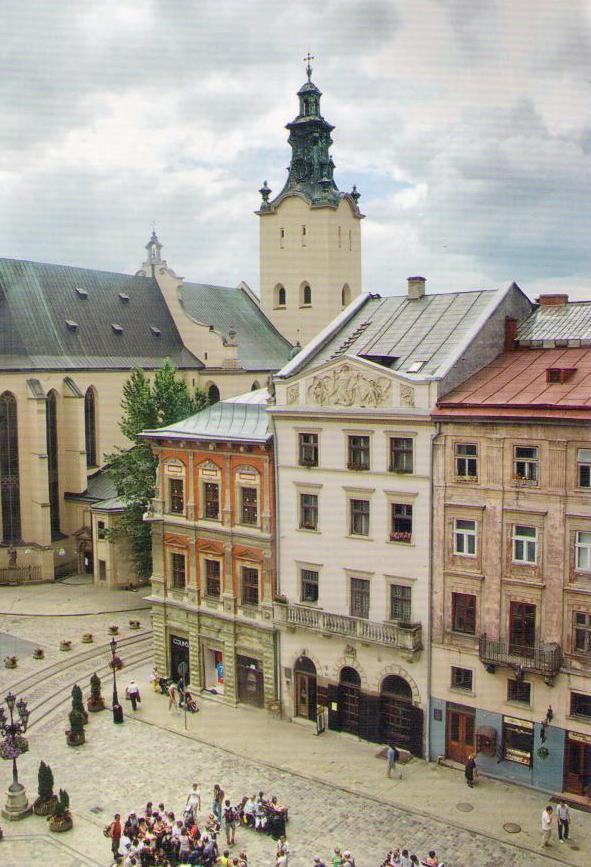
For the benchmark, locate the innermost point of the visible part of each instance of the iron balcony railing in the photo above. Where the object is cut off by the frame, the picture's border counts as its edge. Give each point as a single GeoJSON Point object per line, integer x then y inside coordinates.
{"type": "Point", "coordinates": [544, 659]}
{"type": "Point", "coordinates": [20, 574]}
{"type": "Point", "coordinates": [406, 636]}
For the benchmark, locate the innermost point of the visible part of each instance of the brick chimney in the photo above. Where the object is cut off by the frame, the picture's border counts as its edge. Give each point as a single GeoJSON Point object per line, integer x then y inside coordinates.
{"type": "Point", "coordinates": [416, 287]}
{"type": "Point", "coordinates": [552, 300]}
{"type": "Point", "coordinates": [510, 333]}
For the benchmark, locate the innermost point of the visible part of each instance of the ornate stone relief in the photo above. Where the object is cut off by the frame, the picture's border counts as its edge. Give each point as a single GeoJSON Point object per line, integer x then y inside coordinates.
{"type": "Point", "coordinates": [347, 386]}
{"type": "Point", "coordinates": [293, 394]}
{"type": "Point", "coordinates": [407, 395]}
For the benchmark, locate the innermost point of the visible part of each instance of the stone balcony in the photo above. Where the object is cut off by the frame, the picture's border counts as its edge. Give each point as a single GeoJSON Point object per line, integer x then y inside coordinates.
{"type": "Point", "coordinates": [405, 637]}
{"type": "Point", "coordinates": [544, 659]}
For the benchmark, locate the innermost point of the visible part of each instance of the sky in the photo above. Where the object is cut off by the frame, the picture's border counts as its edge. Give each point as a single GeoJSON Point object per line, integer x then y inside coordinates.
{"type": "Point", "coordinates": [465, 124]}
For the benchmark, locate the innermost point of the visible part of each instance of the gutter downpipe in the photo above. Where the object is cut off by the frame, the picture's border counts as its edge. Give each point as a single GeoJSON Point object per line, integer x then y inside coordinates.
{"type": "Point", "coordinates": [276, 632]}
{"type": "Point", "coordinates": [430, 594]}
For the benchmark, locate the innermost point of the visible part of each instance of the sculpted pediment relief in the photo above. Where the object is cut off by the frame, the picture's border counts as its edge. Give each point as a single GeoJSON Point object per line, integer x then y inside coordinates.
{"type": "Point", "coordinates": [348, 385]}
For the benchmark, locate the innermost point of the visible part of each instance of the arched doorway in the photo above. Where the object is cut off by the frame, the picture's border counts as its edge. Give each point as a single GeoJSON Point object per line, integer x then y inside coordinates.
{"type": "Point", "coordinates": [213, 393]}
{"type": "Point", "coordinates": [349, 687]}
{"type": "Point", "coordinates": [401, 722]}
{"type": "Point", "coordinates": [305, 688]}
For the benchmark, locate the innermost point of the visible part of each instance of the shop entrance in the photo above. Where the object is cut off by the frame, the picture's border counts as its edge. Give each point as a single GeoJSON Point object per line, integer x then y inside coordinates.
{"type": "Point", "coordinates": [251, 688]}
{"type": "Point", "coordinates": [577, 764]}
{"type": "Point", "coordinates": [305, 688]}
{"type": "Point", "coordinates": [460, 734]}
{"type": "Point", "coordinates": [179, 652]}
{"type": "Point", "coordinates": [401, 722]}
{"type": "Point", "coordinates": [213, 664]}
{"type": "Point", "coordinates": [349, 686]}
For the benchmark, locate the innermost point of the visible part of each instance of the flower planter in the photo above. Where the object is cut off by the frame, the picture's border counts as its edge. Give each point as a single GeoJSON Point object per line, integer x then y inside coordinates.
{"type": "Point", "coordinates": [65, 645]}
{"type": "Point", "coordinates": [401, 537]}
{"type": "Point", "coordinates": [75, 739]}
{"type": "Point", "coordinates": [116, 663]}
{"type": "Point", "coordinates": [38, 653]}
{"type": "Point", "coordinates": [60, 823]}
{"type": "Point", "coordinates": [94, 705]}
{"type": "Point", "coordinates": [87, 638]}
{"type": "Point", "coordinates": [113, 630]}
{"type": "Point", "coordinates": [10, 661]}
{"type": "Point", "coordinates": [43, 807]}
{"type": "Point", "coordinates": [134, 624]}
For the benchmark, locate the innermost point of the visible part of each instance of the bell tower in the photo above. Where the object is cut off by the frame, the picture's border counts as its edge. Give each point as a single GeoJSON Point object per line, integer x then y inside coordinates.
{"type": "Point", "coordinates": [310, 234]}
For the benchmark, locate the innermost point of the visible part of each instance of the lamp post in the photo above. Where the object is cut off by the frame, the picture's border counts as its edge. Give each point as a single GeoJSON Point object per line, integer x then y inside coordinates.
{"type": "Point", "coordinates": [11, 747]}
{"type": "Point", "coordinates": [117, 709]}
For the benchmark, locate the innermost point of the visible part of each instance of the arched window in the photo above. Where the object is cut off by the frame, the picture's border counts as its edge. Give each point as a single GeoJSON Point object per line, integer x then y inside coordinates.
{"type": "Point", "coordinates": [280, 294]}
{"type": "Point", "coordinates": [255, 386]}
{"type": "Point", "coordinates": [349, 676]}
{"type": "Point", "coordinates": [52, 463]}
{"type": "Point", "coordinates": [345, 295]}
{"type": "Point", "coordinates": [305, 295]}
{"type": "Point", "coordinates": [90, 427]}
{"type": "Point", "coordinates": [9, 472]}
{"type": "Point", "coordinates": [396, 686]}
{"type": "Point", "coordinates": [213, 393]}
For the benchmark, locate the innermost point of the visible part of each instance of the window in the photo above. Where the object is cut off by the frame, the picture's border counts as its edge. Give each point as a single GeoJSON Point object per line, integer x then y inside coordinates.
{"type": "Point", "coordinates": [401, 455]}
{"type": "Point", "coordinates": [584, 467]}
{"type": "Point", "coordinates": [466, 460]}
{"type": "Point", "coordinates": [461, 678]}
{"type": "Point", "coordinates": [463, 613]}
{"type": "Point", "coordinates": [306, 295]}
{"type": "Point", "coordinates": [358, 453]}
{"type": "Point", "coordinates": [102, 568]}
{"type": "Point", "coordinates": [518, 740]}
{"type": "Point", "coordinates": [359, 517]}
{"type": "Point", "coordinates": [525, 544]}
{"type": "Point", "coordinates": [280, 295]}
{"type": "Point", "coordinates": [9, 470]}
{"type": "Point", "coordinates": [400, 602]}
{"type": "Point", "coordinates": [250, 586]}
{"type": "Point", "coordinates": [525, 464]}
{"type": "Point", "coordinates": [465, 537]}
{"type": "Point", "coordinates": [213, 393]}
{"type": "Point", "coordinates": [304, 244]}
{"type": "Point", "coordinates": [582, 630]}
{"type": "Point", "coordinates": [519, 690]}
{"type": "Point", "coordinates": [249, 508]}
{"type": "Point", "coordinates": [360, 597]}
{"type": "Point", "coordinates": [580, 704]}
{"type": "Point", "coordinates": [401, 523]}
{"type": "Point", "coordinates": [583, 551]}
{"type": "Point", "coordinates": [522, 627]}
{"type": "Point", "coordinates": [309, 585]}
{"type": "Point", "coordinates": [100, 530]}
{"type": "Point", "coordinates": [211, 500]}
{"type": "Point", "coordinates": [281, 238]}
{"type": "Point", "coordinates": [213, 586]}
{"type": "Point", "coordinates": [90, 427]}
{"type": "Point", "coordinates": [308, 511]}
{"type": "Point", "coordinates": [176, 494]}
{"type": "Point", "coordinates": [308, 449]}
{"type": "Point", "coordinates": [53, 464]}
{"type": "Point", "coordinates": [177, 566]}
{"type": "Point", "coordinates": [345, 295]}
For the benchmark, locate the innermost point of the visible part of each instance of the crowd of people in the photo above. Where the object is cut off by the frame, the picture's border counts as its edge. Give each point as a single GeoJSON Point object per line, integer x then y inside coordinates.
{"type": "Point", "coordinates": [158, 837]}
{"type": "Point", "coordinates": [403, 858]}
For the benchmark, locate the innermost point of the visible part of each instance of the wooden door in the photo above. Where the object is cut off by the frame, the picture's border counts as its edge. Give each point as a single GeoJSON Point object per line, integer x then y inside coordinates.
{"type": "Point", "coordinates": [522, 627]}
{"type": "Point", "coordinates": [577, 770]}
{"type": "Point", "coordinates": [460, 735]}
{"type": "Point", "coordinates": [349, 708]}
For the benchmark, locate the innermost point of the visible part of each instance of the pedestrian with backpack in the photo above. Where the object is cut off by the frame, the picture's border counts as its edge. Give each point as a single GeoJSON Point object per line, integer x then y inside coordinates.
{"type": "Point", "coordinates": [392, 757]}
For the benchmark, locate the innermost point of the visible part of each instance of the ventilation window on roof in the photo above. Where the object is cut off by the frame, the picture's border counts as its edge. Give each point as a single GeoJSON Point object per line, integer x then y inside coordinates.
{"type": "Point", "coordinates": [560, 374]}
{"type": "Point", "coordinates": [81, 293]}
{"type": "Point", "coordinates": [117, 328]}
{"type": "Point", "coordinates": [155, 331]}
{"type": "Point", "coordinates": [415, 366]}
{"type": "Point", "coordinates": [71, 325]}
{"type": "Point", "coordinates": [124, 298]}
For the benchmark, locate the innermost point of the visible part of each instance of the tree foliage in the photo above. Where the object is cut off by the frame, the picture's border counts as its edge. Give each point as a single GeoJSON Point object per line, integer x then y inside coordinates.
{"type": "Point", "coordinates": [146, 405]}
{"type": "Point", "coordinates": [45, 782]}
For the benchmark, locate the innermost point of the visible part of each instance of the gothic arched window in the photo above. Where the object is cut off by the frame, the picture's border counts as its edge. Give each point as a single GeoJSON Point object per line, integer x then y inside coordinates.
{"type": "Point", "coordinates": [9, 472]}
{"type": "Point", "coordinates": [213, 393]}
{"type": "Point", "coordinates": [305, 295]}
{"type": "Point", "coordinates": [90, 426]}
{"type": "Point", "coordinates": [52, 463]}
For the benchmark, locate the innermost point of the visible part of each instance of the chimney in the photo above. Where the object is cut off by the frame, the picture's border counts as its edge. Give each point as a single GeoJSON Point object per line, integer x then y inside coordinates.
{"type": "Point", "coordinates": [552, 300]}
{"type": "Point", "coordinates": [416, 287]}
{"type": "Point", "coordinates": [510, 333]}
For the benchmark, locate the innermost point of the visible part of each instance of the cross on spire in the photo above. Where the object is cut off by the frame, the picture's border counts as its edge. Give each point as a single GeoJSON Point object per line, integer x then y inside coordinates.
{"type": "Point", "coordinates": [307, 60]}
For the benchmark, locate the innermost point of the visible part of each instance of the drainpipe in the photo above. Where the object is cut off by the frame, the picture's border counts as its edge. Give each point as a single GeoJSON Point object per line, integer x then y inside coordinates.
{"type": "Point", "coordinates": [430, 596]}
{"type": "Point", "coordinates": [276, 632]}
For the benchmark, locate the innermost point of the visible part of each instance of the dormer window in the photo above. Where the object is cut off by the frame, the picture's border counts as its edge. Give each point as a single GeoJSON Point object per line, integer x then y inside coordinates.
{"type": "Point", "coordinates": [71, 325]}
{"type": "Point", "coordinates": [81, 293]}
{"type": "Point", "coordinates": [124, 298]}
{"type": "Point", "coordinates": [415, 366]}
{"type": "Point", "coordinates": [117, 329]}
{"type": "Point", "coordinates": [155, 331]}
{"type": "Point", "coordinates": [559, 374]}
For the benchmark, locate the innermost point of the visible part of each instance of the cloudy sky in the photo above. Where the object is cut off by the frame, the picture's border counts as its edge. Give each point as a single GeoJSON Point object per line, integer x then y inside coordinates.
{"type": "Point", "coordinates": [466, 125]}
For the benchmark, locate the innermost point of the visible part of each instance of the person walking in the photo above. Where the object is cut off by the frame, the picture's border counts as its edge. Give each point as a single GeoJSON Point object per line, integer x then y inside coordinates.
{"type": "Point", "coordinates": [563, 816]}
{"type": "Point", "coordinates": [115, 832]}
{"type": "Point", "coordinates": [133, 691]}
{"type": "Point", "coordinates": [392, 757]}
{"type": "Point", "coordinates": [194, 801]}
{"type": "Point", "coordinates": [218, 800]}
{"type": "Point", "coordinates": [470, 770]}
{"type": "Point", "coordinates": [172, 702]}
{"type": "Point", "coordinates": [230, 823]}
{"type": "Point", "coordinates": [547, 822]}
{"type": "Point", "coordinates": [283, 849]}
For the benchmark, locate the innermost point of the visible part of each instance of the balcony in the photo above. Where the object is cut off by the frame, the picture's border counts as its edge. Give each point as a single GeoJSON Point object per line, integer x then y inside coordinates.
{"type": "Point", "coordinates": [405, 637]}
{"type": "Point", "coordinates": [544, 659]}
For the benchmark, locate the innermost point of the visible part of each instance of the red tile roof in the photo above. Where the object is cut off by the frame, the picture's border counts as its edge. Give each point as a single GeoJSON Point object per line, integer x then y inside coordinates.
{"type": "Point", "coordinates": [515, 384]}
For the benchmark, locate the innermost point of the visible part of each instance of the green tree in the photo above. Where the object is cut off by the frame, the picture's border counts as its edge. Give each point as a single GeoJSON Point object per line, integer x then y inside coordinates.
{"type": "Point", "coordinates": [145, 406]}
{"type": "Point", "coordinates": [45, 780]}
{"type": "Point", "coordinates": [77, 700]}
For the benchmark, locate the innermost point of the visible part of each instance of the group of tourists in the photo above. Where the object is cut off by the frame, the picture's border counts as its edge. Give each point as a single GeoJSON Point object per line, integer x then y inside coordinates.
{"type": "Point", "coordinates": [403, 858]}
{"type": "Point", "coordinates": [158, 837]}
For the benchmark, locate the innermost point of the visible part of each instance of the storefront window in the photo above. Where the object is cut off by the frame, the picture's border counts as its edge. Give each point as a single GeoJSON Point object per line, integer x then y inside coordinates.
{"type": "Point", "coordinates": [518, 740]}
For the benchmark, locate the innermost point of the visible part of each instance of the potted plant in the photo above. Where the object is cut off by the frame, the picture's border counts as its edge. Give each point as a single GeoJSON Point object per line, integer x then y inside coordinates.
{"type": "Point", "coordinates": [38, 653]}
{"type": "Point", "coordinates": [87, 638]}
{"type": "Point", "coordinates": [134, 624]}
{"type": "Point", "coordinates": [65, 645]}
{"type": "Point", "coordinates": [46, 800]}
{"type": "Point", "coordinates": [95, 701]}
{"type": "Point", "coordinates": [75, 734]}
{"type": "Point", "coordinates": [10, 661]}
{"type": "Point", "coordinates": [543, 752]}
{"type": "Point", "coordinates": [113, 629]}
{"type": "Point", "coordinates": [78, 702]}
{"type": "Point", "coordinates": [116, 663]}
{"type": "Point", "coordinates": [61, 818]}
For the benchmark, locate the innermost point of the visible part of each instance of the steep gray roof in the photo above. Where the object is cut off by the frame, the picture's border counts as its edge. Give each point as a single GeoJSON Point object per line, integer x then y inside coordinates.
{"type": "Point", "coordinates": [56, 316]}
{"type": "Point", "coordinates": [401, 332]}
{"type": "Point", "coordinates": [260, 345]}
{"type": "Point", "coordinates": [562, 325]}
{"type": "Point", "coordinates": [226, 420]}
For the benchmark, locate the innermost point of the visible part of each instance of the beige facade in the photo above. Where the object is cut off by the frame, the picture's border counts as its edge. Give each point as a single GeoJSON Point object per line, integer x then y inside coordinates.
{"type": "Point", "coordinates": [310, 258]}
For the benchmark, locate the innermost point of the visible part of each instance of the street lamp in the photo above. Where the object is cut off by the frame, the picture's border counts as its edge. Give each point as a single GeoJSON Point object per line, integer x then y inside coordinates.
{"type": "Point", "coordinates": [11, 747]}
{"type": "Point", "coordinates": [117, 709]}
